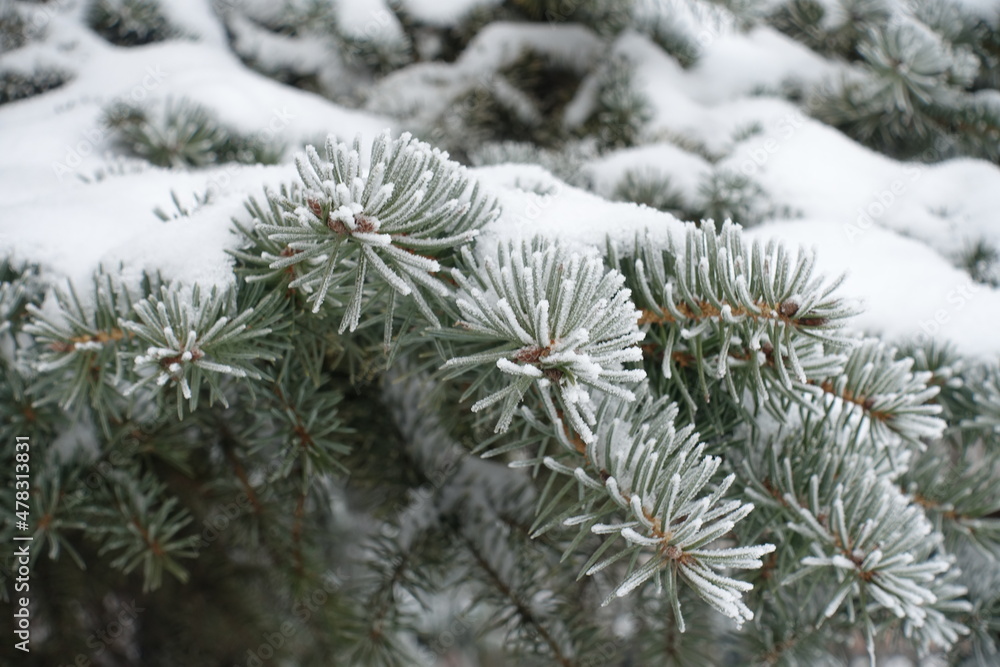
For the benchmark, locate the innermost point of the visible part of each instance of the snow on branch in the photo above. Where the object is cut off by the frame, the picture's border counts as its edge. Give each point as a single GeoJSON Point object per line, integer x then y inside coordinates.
{"type": "Point", "coordinates": [82, 345]}
{"type": "Point", "coordinates": [554, 320]}
{"type": "Point", "coordinates": [882, 552]}
{"type": "Point", "coordinates": [193, 338]}
{"type": "Point", "coordinates": [651, 483]}
{"type": "Point", "coordinates": [986, 398]}
{"type": "Point", "coordinates": [738, 312]}
{"type": "Point", "coordinates": [871, 547]}
{"type": "Point", "coordinates": [393, 219]}
{"type": "Point", "coordinates": [886, 392]}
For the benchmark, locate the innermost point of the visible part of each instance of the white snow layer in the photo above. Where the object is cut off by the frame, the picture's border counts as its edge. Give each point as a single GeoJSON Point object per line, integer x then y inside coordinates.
{"type": "Point", "coordinates": [443, 12]}
{"type": "Point", "coordinates": [892, 227]}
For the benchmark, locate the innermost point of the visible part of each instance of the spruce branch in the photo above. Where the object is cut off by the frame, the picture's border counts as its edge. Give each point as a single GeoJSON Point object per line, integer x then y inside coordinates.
{"type": "Point", "coordinates": [486, 508]}
{"type": "Point", "coordinates": [410, 206]}
{"type": "Point", "coordinates": [985, 387]}
{"type": "Point", "coordinates": [958, 497]}
{"type": "Point", "coordinates": [19, 288]}
{"type": "Point", "coordinates": [834, 33]}
{"type": "Point", "coordinates": [797, 464]}
{"type": "Point", "coordinates": [18, 413]}
{"type": "Point", "coordinates": [130, 22]}
{"type": "Point", "coordinates": [982, 578]}
{"type": "Point", "coordinates": [871, 547]}
{"type": "Point", "coordinates": [554, 320]}
{"type": "Point", "coordinates": [658, 639]}
{"type": "Point", "coordinates": [182, 133]}
{"type": "Point", "coordinates": [141, 527]}
{"type": "Point", "coordinates": [641, 465]}
{"type": "Point", "coordinates": [909, 96]}
{"type": "Point", "coordinates": [969, 394]}
{"type": "Point", "coordinates": [948, 371]}
{"type": "Point", "coordinates": [513, 586]}
{"type": "Point", "coordinates": [621, 111]}
{"type": "Point", "coordinates": [392, 574]}
{"type": "Point", "coordinates": [192, 339]}
{"type": "Point", "coordinates": [60, 513]}
{"type": "Point", "coordinates": [910, 62]}
{"type": "Point", "coordinates": [832, 491]}
{"type": "Point", "coordinates": [838, 487]}
{"type": "Point", "coordinates": [940, 629]}
{"type": "Point", "coordinates": [881, 549]}
{"type": "Point", "coordinates": [251, 258]}
{"type": "Point", "coordinates": [890, 397]}
{"type": "Point", "coordinates": [82, 346]}
{"type": "Point", "coordinates": [304, 419]}
{"type": "Point", "coordinates": [751, 315]}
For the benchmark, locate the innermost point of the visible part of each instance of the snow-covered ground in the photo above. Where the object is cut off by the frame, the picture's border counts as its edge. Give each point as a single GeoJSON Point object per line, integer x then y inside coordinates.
{"type": "Point", "coordinates": [68, 202]}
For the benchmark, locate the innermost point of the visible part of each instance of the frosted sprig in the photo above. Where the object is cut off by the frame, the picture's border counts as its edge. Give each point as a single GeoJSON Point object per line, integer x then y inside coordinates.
{"type": "Point", "coordinates": [659, 477]}
{"type": "Point", "coordinates": [890, 396]}
{"type": "Point", "coordinates": [19, 286]}
{"type": "Point", "coordinates": [190, 338]}
{"type": "Point", "coordinates": [878, 544]}
{"type": "Point", "coordinates": [911, 63]}
{"type": "Point", "coordinates": [745, 313]}
{"type": "Point", "coordinates": [908, 92]}
{"type": "Point", "coordinates": [986, 399]}
{"type": "Point", "coordinates": [391, 218]}
{"type": "Point", "coordinates": [834, 490]}
{"type": "Point", "coordinates": [82, 344]}
{"type": "Point", "coordinates": [556, 320]}
{"type": "Point", "coordinates": [960, 498]}
{"type": "Point", "coordinates": [939, 628]}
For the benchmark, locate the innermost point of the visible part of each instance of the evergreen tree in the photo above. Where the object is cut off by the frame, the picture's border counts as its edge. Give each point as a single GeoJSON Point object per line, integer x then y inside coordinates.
{"type": "Point", "coordinates": [394, 440]}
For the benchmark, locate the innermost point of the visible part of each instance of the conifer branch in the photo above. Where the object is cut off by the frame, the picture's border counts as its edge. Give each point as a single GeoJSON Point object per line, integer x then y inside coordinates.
{"type": "Point", "coordinates": [754, 312]}
{"type": "Point", "coordinates": [554, 321]}
{"type": "Point", "coordinates": [82, 345]}
{"type": "Point", "coordinates": [891, 397]}
{"type": "Point", "coordinates": [192, 339]}
{"type": "Point", "coordinates": [639, 464]}
{"type": "Point", "coordinates": [411, 205]}
{"type": "Point", "coordinates": [143, 528]}
{"type": "Point", "coordinates": [870, 544]}
{"type": "Point", "coordinates": [986, 400]}
{"type": "Point", "coordinates": [521, 608]}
